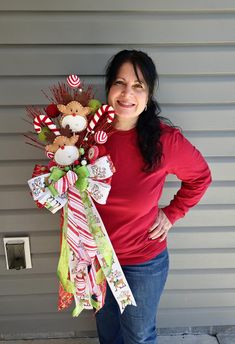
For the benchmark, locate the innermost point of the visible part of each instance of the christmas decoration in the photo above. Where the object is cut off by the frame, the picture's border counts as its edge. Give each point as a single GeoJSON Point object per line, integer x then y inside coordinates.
{"type": "Point", "coordinates": [72, 131]}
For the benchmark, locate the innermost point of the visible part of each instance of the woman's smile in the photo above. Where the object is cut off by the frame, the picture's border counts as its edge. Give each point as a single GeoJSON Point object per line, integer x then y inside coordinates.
{"type": "Point", "coordinates": [124, 104]}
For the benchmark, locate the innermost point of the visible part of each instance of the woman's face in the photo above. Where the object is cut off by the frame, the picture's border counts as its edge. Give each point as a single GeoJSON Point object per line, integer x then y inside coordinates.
{"type": "Point", "coordinates": [128, 95]}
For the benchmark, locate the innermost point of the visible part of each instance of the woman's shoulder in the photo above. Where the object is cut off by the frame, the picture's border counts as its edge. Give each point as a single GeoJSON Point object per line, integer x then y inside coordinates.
{"type": "Point", "coordinates": [172, 137]}
{"type": "Point", "coordinates": [168, 130]}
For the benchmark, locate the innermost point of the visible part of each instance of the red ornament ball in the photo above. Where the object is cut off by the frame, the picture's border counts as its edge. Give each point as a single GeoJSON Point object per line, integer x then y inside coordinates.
{"type": "Point", "coordinates": [52, 110]}
{"type": "Point", "coordinates": [93, 153]}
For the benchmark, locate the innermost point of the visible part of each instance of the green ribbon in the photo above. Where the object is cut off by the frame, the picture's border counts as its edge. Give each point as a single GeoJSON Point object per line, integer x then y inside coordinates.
{"type": "Point", "coordinates": [77, 310]}
{"type": "Point", "coordinates": [57, 173]}
{"type": "Point", "coordinates": [83, 174]}
{"type": "Point", "coordinates": [63, 265]}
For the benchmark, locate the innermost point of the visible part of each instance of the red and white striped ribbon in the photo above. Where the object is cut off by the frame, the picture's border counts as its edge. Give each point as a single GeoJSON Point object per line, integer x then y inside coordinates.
{"type": "Point", "coordinates": [80, 241]}
{"type": "Point", "coordinates": [63, 183]}
{"type": "Point", "coordinates": [78, 231]}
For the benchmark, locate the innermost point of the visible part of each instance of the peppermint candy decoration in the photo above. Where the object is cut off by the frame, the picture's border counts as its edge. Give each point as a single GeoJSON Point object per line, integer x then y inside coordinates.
{"type": "Point", "coordinates": [108, 110]}
{"type": "Point", "coordinates": [73, 81]}
{"type": "Point", "coordinates": [101, 137]}
{"type": "Point", "coordinates": [93, 153]}
{"type": "Point", "coordinates": [44, 120]}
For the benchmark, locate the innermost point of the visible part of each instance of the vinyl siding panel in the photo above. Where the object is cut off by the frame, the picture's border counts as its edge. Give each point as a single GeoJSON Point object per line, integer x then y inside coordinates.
{"type": "Point", "coordinates": [54, 60]}
{"type": "Point", "coordinates": [122, 5]}
{"type": "Point", "coordinates": [181, 90]}
{"type": "Point", "coordinates": [192, 44]}
{"type": "Point", "coordinates": [10, 196]}
{"type": "Point", "coordinates": [113, 28]}
{"type": "Point", "coordinates": [17, 172]}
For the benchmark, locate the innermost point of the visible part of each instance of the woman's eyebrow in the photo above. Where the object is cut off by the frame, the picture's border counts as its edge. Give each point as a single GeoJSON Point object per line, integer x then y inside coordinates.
{"type": "Point", "coordinates": [139, 81]}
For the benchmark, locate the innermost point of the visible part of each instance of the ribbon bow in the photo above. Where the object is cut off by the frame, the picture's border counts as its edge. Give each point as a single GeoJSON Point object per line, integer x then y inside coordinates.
{"type": "Point", "coordinates": [90, 178]}
{"type": "Point", "coordinates": [87, 257]}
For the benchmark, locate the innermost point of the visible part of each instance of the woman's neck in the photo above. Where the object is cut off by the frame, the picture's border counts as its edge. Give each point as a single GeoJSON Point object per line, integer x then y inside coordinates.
{"type": "Point", "coordinates": [125, 124]}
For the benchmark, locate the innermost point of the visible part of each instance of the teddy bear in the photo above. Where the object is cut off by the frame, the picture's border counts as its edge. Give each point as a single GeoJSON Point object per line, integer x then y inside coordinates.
{"type": "Point", "coordinates": [63, 150]}
{"type": "Point", "coordinates": [74, 116]}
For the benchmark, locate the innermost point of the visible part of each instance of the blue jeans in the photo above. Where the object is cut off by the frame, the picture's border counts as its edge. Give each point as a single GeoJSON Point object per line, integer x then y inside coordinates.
{"type": "Point", "coordinates": [136, 325]}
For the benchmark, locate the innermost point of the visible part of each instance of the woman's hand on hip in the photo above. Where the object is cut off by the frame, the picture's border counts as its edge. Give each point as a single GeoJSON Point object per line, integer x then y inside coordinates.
{"type": "Point", "coordinates": [160, 228]}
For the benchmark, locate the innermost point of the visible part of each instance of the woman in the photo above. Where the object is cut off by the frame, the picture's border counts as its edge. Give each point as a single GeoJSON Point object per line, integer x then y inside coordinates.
{"type": "Point", "coordinates": [144, 151]}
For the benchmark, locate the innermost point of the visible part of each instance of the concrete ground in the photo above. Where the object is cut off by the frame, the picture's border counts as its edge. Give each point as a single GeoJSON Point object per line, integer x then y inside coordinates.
{"type": "Point", "coordinates": [226, 338]}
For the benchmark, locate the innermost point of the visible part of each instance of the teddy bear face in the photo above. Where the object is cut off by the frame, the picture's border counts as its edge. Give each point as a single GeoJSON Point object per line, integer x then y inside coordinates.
{"type": "Point", "coordinates": [74, 116]}
{"type": "Point", "coordinates": [66, 156]}
{"type": "Point", "coordinates": [63, 150]}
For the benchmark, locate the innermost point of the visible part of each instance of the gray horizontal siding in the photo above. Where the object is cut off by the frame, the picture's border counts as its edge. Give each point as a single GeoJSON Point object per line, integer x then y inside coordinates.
{"type": "Point", "coordinates": [207, 260]}
{"type": "Point", "coordinates": [18, 197]}
{"type": "Point", "coordinates": [189, 117]}
{"type": "Point", "coordinates": [122, 5]}
{"type": "Point", "coordinates": [113, 28]}
{"type": "Point", "coordinates": [79, 327]}
{"type": "Point", "coordinates": [17, 149]}
{"type": "Point", "coordinates": [173, 90]}
{"type": "Point", "coordinates": [46, 325]}
{"type": "Point", "coordinates": [18, 172]}
{"type": "Point", "coordinates": [193, 280]}
{"type": "Point", "coordinates": [192, 44]}
{"type": "Point", "coordinates": [30, 304]}
{"type": "Point", "coordinates": [35, 219]}
{"type": "Point", "coordinates": [56, 60]}
{"type": "Point", "coordinates": [190, 238]}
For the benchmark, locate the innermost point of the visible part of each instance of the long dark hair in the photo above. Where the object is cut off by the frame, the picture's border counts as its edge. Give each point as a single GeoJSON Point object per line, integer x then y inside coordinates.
{"type": "Point", "coordinates": [148, 124]}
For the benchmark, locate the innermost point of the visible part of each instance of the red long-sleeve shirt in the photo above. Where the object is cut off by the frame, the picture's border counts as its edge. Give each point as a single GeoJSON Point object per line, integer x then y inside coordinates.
{"type": "Point", "coordinates": [132, 205]}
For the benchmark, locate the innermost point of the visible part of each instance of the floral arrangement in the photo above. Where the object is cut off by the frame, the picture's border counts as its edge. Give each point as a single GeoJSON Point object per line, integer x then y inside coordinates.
{"type": "Point", "coordinates": [72, 130]}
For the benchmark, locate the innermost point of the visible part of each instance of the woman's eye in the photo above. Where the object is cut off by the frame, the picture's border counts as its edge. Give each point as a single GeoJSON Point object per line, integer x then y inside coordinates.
{"type": "Point", "coordinates": [118, 82]}
{"type": "Point", "coordinates": [138, 86]}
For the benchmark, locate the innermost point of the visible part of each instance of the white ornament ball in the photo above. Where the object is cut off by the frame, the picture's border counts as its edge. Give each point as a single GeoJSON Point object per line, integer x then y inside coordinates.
{"type": "Point", "coordinates": [83, 162]}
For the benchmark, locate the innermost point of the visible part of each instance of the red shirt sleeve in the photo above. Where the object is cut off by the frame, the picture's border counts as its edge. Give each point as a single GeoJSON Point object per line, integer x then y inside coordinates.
{"type": "Point", "coordinates": [187, 163]}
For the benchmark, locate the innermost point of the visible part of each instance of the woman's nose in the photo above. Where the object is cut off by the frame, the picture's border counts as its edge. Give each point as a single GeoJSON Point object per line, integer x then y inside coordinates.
{"type": "Point", "coordinates": [127, 90]}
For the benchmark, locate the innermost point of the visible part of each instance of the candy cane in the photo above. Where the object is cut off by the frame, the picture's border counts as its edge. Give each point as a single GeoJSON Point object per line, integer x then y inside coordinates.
{"type": "Point", "coordinates": [44, 120]}
{"type": "Point", "coordinates": [104, 109]}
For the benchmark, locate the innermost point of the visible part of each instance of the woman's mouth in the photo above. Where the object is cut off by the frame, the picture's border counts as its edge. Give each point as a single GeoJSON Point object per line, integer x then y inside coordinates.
{"type": "Point", "coordinates": [126, 105]}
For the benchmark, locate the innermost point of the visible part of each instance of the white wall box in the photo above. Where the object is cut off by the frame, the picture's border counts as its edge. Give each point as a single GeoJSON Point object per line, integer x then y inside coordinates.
{"type": "Point", "coordinates": [17, 253]}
